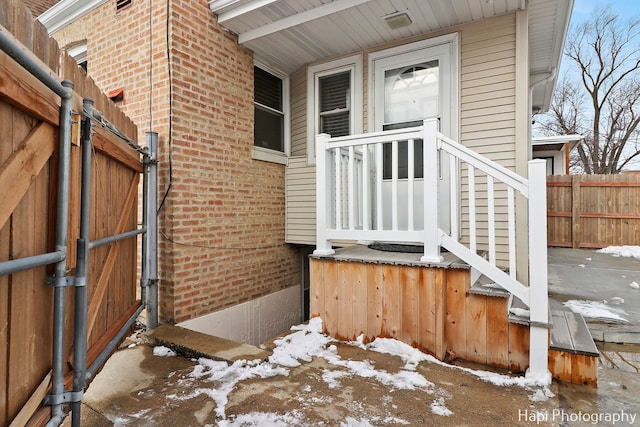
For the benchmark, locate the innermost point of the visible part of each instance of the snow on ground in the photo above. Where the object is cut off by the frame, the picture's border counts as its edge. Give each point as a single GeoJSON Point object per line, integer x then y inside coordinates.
{"type": "Point", "coordinates": [307, 342]}
{"type": "Point", "coordinates": [163, 351]}
{"type": "Point", "coordinates": [596, 310]}
{"type": "Point", "coordinates": [623, 251]}
{"type": "Point", "coordinates": [437, 407]}
{"type": "Point", "coordinates": [634, 285]}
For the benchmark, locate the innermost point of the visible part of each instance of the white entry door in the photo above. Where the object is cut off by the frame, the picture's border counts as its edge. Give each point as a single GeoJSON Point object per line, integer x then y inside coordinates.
{"type": "Point", "coordinates": [410, 84]}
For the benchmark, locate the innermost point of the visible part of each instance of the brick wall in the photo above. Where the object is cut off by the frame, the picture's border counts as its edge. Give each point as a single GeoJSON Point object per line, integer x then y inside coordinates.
{"type": "Point", "coordinates": [222, 224]}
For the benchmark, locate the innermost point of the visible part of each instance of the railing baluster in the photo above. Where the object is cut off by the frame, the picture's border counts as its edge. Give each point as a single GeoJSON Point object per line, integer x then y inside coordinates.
{"type": "Point", "coordinates": [366, 199]}
{"type": "Point", "coordinates": [358, 189]}
{"type": "Point", "coordinates": [338, 168]}
{"type": "Point", "coordinates": [454, 197]}
{"type": "Point", "coordinates": [394, 185]}
{"type": "Point", "coordinates": [472, 209]}
{"type": "Point", "coordinates": [491, 218]}
{"type": "Point", "coordinates": [410, 177]}
{"type": "Point", "coordinates": [379, 203]}
{"type": "Point", "coordinates": [351, 203]}
{"type": "Point", "coordinates": [511, 225]}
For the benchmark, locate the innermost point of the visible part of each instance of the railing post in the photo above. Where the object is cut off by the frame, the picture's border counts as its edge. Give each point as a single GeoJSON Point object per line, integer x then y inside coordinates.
{"type": "Point", "coordinates": [539, 298]}
{"type": "Point", "coordinates": [430, 167]}
{"type": "Point", "coordinates": [323, 202]}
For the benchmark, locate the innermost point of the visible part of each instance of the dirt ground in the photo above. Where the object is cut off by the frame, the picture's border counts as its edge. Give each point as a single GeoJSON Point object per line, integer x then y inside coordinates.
{"type": "Point", "coordinates": [137, 388]}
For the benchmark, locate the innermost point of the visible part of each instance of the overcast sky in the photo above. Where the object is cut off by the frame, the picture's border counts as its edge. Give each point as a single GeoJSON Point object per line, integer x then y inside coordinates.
{"type": "Point", "coordinates": [582, 9]}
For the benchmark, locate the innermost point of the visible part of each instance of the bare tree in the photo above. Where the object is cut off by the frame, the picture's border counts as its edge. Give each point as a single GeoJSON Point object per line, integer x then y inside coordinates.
{"type": "Point", "coordinates": [598, 96]}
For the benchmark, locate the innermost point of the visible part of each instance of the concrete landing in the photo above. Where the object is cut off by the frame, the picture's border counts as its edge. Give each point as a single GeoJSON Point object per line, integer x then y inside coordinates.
{"type": "Point", "coordinates": [582, 274]}
{"type": "Point", "coordinates": [190, 343]}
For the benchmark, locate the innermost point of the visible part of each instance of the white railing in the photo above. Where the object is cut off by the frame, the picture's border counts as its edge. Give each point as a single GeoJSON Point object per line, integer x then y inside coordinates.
{"type": "Point", "coordinates": [360, 213]}
{"type": "Point", "coordinates": [355, 202]}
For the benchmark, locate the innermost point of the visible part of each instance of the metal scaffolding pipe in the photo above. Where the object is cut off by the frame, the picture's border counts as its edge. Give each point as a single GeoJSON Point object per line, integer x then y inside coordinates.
{"type": "Point", "coordinates": [11, 47]}
{"type": "Point", "coordinates": [104, 355]}
{"type": "Point", "coordinates": [144, 278]}
{"type": "Point", "coordinates": [82, 269]}
{"type": "Point", "coordinates": [62, 215]}
{"type": "Point", "coordinates": [116, 238]}
{"type": "Point", "coordinates": [152, 231]}
{"type": "Point", "coordinates": [16, 265]}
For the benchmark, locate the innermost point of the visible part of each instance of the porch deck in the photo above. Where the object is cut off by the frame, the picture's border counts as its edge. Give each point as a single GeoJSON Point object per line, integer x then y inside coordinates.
{"type": "Point", "coordinates": [363, 253]}
{"type": "Point", "coordinates": [359, 291]}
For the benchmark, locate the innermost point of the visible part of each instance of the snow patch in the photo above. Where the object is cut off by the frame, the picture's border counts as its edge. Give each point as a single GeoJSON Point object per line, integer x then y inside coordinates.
{"type": "Point", "coordinates": [402, 350]}
{"type": "Point", "coordinates": [307, 342]}
{"type": "Point", "coordinates": [617, 300]}
{"type": "Point", "coordinates": [163, 351]}
{"type": "Point", "coordinates": [438, 408]}
{"type": "Point", "coordinates": [292, 418]}
{"type": "Point", "coordinates": [541, 395]}
{"type": "Point", "coordinates": [595, 310]}
{"type": "Point", "coordinates": [622, 251]}
{"type": "Point", "coordinates": [634, 285]}
{"type": "Point", "coordinates": [352, 422]}
{"type": "Point", "coordinates": [304, 344]}
{"type": "Point", "coordinates": [520, 312]}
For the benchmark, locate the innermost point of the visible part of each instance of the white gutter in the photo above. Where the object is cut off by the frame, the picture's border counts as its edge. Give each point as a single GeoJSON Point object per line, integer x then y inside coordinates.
{"type": "Point", "coordinates": [558, 139]}
{"type": "Point", "coordinates": [65, 12]}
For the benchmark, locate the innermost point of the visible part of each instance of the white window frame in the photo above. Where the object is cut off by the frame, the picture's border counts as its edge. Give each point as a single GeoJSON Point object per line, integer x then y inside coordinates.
{"type": "Point", "coordinates": [354, 65]}
{"type": "Point", "coordinates": [78, 52]}
{"type": "Point", "coordinates": [266, 154]}
{"type": "Point", "coordinates": [452, 41]}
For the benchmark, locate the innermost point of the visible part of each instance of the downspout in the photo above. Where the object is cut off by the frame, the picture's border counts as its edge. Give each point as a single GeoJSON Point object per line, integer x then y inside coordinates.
{"type": "Point", "coordinates": [552, 75]}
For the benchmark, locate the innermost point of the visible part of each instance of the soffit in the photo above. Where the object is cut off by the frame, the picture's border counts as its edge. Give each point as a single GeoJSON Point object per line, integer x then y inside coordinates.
{"type": "Point", "coordinates": [289, 34]}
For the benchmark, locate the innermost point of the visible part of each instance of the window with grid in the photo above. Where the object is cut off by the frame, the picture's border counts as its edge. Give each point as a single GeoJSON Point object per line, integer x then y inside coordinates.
{"type": "Point", "coordinates": [268, 128]}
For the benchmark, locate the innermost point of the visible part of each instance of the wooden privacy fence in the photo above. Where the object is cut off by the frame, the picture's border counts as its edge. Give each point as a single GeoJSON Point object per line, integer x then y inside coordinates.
{"type": "Point", "coordinates": [593, 211]}
{"type": "Point", "coordinates": [29, 150]}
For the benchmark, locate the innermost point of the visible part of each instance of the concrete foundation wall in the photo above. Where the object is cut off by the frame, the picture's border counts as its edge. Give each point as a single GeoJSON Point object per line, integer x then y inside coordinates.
{"type": "Point", "coordinates": [252, 322]}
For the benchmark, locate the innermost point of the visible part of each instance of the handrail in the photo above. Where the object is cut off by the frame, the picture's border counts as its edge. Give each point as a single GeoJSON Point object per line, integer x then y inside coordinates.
{"type": "Point", "coordinates": [375, 137]}
{"type": "Point", "coordinates": [486, 165]}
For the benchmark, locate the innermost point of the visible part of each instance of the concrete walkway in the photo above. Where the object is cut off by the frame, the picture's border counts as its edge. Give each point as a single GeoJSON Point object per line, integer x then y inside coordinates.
{"type": "Point", "coordinates": [138, 388]}
{"type": "Point", "coordinates": [581, 274]}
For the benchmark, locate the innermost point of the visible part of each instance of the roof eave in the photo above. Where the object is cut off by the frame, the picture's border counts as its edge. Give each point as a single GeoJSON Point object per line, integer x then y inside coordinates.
{"type": "Point", "coordinates": [65, 12]}
{"type": "Point", "coordinates": [549, 85]}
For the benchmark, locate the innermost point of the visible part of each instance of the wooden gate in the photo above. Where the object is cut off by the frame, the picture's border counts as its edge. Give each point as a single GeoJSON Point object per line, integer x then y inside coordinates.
{"type": "Point", "coordinates": [29, 119]}
{"type": "Point", "coordinates": [593, 211]}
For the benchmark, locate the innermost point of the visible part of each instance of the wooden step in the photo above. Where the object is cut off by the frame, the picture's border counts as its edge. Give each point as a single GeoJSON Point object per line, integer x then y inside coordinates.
{"type": "Point", "coordinates": [485, 286]}
{"type": "Point", "coordinates": [570, 333]}
{"type": "Point", "coordinates": [573, 356]}
{"type": "Point", "coordinates": [518, 311]}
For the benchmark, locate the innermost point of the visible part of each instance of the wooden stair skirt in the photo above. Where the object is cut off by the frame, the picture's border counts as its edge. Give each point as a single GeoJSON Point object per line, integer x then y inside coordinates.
{"type": "Point", "coordinates": [431, 308]}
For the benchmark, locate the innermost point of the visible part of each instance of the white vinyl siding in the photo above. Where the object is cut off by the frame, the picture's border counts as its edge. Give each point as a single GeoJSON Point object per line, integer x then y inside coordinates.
{"type": "Point", "coordinates": [488, 113]}
{"type": "Point", "coordinates": [298, 82]}
{"type": "Point", "coordinates": [300, 201]}
{"type": "Point", "coordinates": [487, 85]}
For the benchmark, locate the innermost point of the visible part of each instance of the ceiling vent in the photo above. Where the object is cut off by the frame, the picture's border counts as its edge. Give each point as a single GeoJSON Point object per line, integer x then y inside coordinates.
{"type": "Point", "coordinates": [398, 20]}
